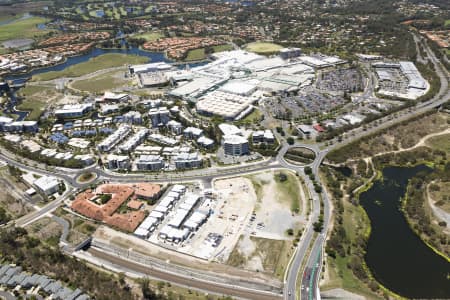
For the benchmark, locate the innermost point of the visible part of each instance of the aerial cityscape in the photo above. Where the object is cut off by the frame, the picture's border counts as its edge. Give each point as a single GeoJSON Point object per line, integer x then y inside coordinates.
{"type": "Point", "coordinates": [224, 149]}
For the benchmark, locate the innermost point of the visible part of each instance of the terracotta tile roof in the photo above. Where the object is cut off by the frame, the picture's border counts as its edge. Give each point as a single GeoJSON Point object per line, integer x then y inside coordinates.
{"type": "Point", "coordinates": [146, 190]}
{"type": "Point", "coordinates": [120, 193]}
{"type": "Point", "coordinates": [134, 204]}
{"type": "Point", "coordinates": [128, 222]}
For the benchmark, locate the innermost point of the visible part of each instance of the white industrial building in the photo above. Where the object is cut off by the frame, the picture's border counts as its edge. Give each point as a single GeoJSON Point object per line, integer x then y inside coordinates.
{"type": "Point", "coordinates": [48, 185]}
{"type": "Point", "coordinates": [263, 136]}
{"type": "Point", "coordinates": [73, 110]}
{"type": "Point", "coordinates": [238, 87]}
{"type": "Point", "coordinates": [161, 139]}
{"type": "Point", "coordinates": [205, 142]}
{"type": "Point", "coordinates": [151, 67]}
{"type": "Point", "coordinates": [107, 109]}
{"type": "Point", "coordinates": [229, 129]}
{"type": "Point", "coordinates": [225, 104]}
{"type": "Point", "coordinates": [152, 79]}
{"type": "Point", "coordinates": [147, 226]}
{"type": "Point", "coordinates": [145, 149]}
{"type": "Point", "coordinates": [410, 85]}
{"type": "Point", "coordinates": [352, 119]}
{"type": "Point", "coordinates": [108, 96]}
{"type": "Point", "coordinates": [415, 79]}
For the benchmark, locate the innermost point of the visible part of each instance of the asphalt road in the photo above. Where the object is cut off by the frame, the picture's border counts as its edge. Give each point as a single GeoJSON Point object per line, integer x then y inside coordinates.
{"type": "Point", "coordinates": [309, 283]}
{"type": "Point", "coordinates": [48, 208]}
{"type": "Point", "coordinates": [207, 174]}
{"type": "Point", "coordinates": [216, 288]}
{"type": "Point", "coordinates": [311, 276]}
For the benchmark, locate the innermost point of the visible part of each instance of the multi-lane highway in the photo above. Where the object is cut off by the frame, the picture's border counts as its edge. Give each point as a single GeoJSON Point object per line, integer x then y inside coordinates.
{"type": "Point", "coordinates": [310, 247]}
{"type": "Point", "coordinates": [310, 279]}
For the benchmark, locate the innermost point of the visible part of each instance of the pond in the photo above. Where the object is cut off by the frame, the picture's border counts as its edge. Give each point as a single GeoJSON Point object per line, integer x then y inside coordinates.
{"type": "Point", "coordinates": [19, 79]}
{"type": "Point", "coordinates": [396, 256]}
{"type": "Point", "coordinates": [70, 61]}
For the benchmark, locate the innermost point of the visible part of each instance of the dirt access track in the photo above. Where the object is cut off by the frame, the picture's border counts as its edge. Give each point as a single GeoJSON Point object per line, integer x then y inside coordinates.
{"type": "Point", "coordinates": [133, 243]}
{"type": "Point", "coordinates": [182, 281]}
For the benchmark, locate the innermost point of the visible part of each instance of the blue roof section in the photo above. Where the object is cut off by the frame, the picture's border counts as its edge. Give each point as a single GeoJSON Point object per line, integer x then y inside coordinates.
{"type": "Point", "coordinates": [89, 132]}
{"type": "Point", "coordinates": [106, 130]}
{"type": "Point", "coordinates": [68, 125]}
{"type": "Point", "coordinates": [59, 138]}
{"type": "Point", "coordinates": [119, 119]}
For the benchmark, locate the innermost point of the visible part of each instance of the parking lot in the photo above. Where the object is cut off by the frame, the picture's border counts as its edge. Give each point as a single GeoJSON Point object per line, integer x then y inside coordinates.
{"type": "Point", "coordinates": [397, 81]}
{"type": "Point", "coordinates": [340, 80]}
{"type": "Point", "coordinates": [311, 102]}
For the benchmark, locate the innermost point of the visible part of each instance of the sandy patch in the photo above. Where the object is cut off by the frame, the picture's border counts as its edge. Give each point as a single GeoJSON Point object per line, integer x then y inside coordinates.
{"type": "Point", "coordinates": [235, 203]}
{"type": "Point", "coordinates": [273, 210]}
{"type": "Point", "coordinates": [341, 294]}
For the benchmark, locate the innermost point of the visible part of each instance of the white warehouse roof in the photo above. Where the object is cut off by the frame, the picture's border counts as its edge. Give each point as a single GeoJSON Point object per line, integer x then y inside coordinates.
{"type": "Point", "coordinates": [238, 87]}
{"type": "Point", "coordinates": [229, 129]}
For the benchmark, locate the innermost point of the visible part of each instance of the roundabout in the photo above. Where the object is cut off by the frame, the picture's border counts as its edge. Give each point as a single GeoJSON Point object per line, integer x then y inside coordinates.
{"type": "Point", "coordinates": [86, 178]}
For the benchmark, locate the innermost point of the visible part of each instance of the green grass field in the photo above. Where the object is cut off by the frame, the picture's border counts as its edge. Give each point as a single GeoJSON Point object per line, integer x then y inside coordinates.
{"type": "Point", "coordinates": [340, 275]}
{"type": "Point", "coordinates": [447, 23]}
{"type": "Point", "coordinates": [196, 54]}
{"type": "Point", "coordinates": [35, 98]}
{"type": "Point", "coordinates": [36, 108]}
{"type": "Point", "coordinates": [263, 47]}
{"type": "Point", "coordinates": [102, 83]}
{"type": "Point", "coordinates": [7, 17]}
{"type": "Point", "coordinates": [221, 48]}
{"type": "Point", "coordinates": [94, 64]}
{"type": "Point", "coordinates": [199, 54]}
{"type": "Point", "coordinates": [30, 90]}
{"type": "Point", "coordinates": [289, 190]}
{"type": "Point", "coordinates": [441, 142]}
{"type": "Point", "coordinates": [253, 117]}
{"type": "Point", "coordinates": [273, 253]}
{"type": "Point", "coordinates": [22, 29]}
{"type": "Point", "coordinates": [150, 36]}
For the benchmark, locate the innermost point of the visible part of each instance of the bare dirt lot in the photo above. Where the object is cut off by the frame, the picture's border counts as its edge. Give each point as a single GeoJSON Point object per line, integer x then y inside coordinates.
{"type": "Point", "coordinates": [254, 218]}
{"type": "Point", "coordinates": [277, 201]}
{"type": "Point", "coordinates": [126, 241]}
{"type": "Point", "coordinates": [265, 245]}
{"type": "Point", "coordinates": [11, 199]}
{"type": "Point", "coordinates": [45, 229]}
{"type": "Point", "coordinates": [235, 205]}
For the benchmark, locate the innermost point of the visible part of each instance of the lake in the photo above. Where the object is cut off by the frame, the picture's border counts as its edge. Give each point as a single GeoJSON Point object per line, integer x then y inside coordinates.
{"type": "Point", "coordinates": [70, 61]}
{"type": "Point", "coordinates": [396, 256]}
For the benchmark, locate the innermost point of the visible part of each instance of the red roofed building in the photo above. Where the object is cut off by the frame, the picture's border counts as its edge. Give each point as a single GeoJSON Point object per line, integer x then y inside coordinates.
{"type": "Point", "coordinates": [318, 128]}
{"type": "Point", "coordinates": [85, 203]}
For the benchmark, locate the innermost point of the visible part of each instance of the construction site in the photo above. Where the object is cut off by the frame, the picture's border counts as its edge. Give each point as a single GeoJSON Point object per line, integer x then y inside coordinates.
{"type": "Point", "coordinates": [226, 224]}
